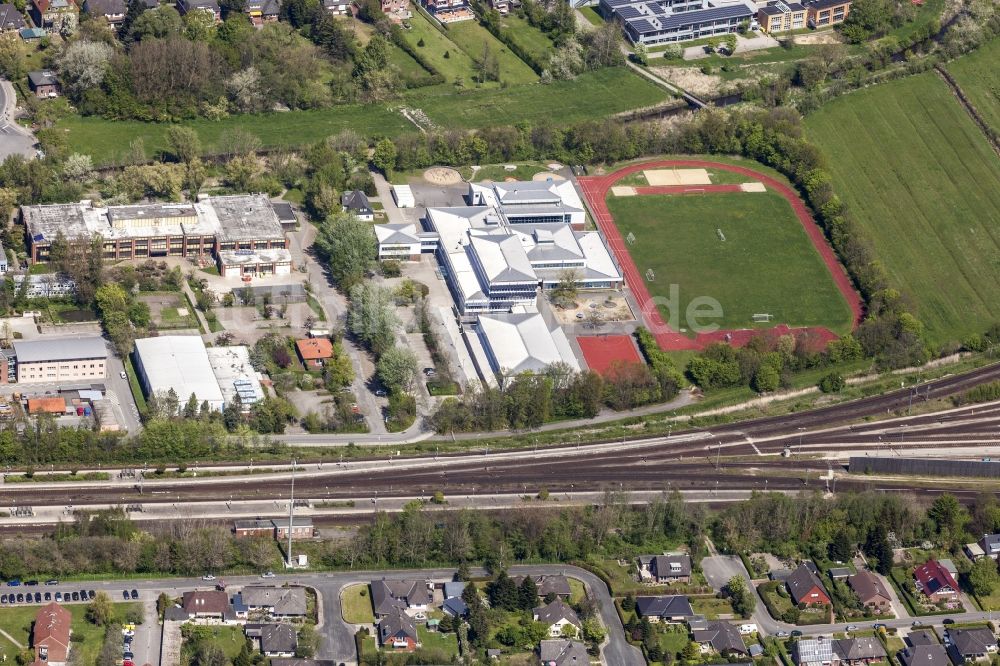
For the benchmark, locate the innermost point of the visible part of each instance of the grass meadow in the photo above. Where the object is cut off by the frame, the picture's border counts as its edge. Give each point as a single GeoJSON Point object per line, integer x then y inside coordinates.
{"type": "Point", "coordinates": [924, 184]}
{"type": "Point", "coordinates": [978, 74]}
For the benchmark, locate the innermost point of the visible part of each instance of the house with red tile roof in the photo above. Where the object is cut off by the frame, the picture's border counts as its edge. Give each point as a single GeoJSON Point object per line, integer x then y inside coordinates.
{"type": "Point", "coordinates": [935, 582]}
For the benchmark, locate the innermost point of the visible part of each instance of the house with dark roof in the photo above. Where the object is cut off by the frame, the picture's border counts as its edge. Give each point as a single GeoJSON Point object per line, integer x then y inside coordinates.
{"type": "Point", "coordinates": [286, 215]}
{"type": "Point", "coordinates": [273, 640]}
{"type": "Point", "coordinates": [556, 616]}
{"type": "Point", "coordinates": [923, 637]}
{"type": "Point", "coordinates": [563, 652]}
{"type": "Point", "coordinates": [933, 654]}
{"type": "Point", "coordinates": [112, 10]}
{"type": "Point", "coordinates": [275, 601]}
{"type": "Point", "coordinates": [207, 605]}
{"type": "Point", "coordinates": [403, 595]}
{"type": "Point", "coordinates": [805, 586]}
{"type": "Point", "coordinates": [989, 546]}
{"type": "Point", "coordinates": [673, 608]}
{"type": "Point", "coordinates": [859, 651]}
{"type": "Point", "coordinates": [556, 584]}
{"type": "Point", "coordinates": [814, 652]}
{"type": "Point", "coordinates": [262, 12]}
{"type": "Point", "coordinates": [721, 637]}
{"type": "Point", "coordinates": [455, 607]}
{"type": "Point", "coordinates": [11, 20]}
{"type": "Point", "coordinates": [356, 201]}
{"type": "Point", "coordinates": [453, 588]}
{"type": "Point", "coordinates": [397, 631]}
{"type": "Point", "coordinates": [670, 568]}
{"type": "Point", "coordinates": [43, 83]}
{"type": "Point", "coordinates": [935, 582]}
{"type": "Point", "coordinates": [50, 634]}
{"type": "Point", "coordinates": [58, 15]}
{"type": "Point", "coordinates": [968, 645]}
{"type": "Point", "coordinates": [871, 592]}
{"type": "Point", "coordinates": [209, 6]}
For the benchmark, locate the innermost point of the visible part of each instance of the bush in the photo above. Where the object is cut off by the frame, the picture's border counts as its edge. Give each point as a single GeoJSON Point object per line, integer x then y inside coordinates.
{"type": "Point", "coordinates": [832, 383]}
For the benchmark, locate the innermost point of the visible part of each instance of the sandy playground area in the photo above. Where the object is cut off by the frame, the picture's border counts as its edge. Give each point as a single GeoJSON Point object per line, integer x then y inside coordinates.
{"type": "Point", "coordinates": [611, 305]}
{"type": "Point", "coordinates": [442, 176]}
{"type": "Point", "coordinates": [658, 177]}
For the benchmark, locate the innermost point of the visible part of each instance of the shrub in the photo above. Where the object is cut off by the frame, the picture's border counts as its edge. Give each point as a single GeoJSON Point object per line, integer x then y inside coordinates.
{"type": "Point", "coordinates": [832, 383]}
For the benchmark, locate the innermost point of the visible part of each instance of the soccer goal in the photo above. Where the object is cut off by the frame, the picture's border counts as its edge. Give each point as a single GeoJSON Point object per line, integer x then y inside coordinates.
{"type": "Point", "coordinates": [630, 239]}
{"type": "Point", "coordinates": [650, 275]}
{"type": "Point", "coordinates": [762, 318]}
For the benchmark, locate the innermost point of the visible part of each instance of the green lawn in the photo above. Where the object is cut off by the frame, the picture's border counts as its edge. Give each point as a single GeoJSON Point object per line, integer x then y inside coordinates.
{"type": "Point", "coordinates": [590, 13]}
{"type": "Point", "coordinates": [436, 45]}
{"type": "Point", "coordinates": [590, 96]}
{"type": "Point", "coordinates": [924, 184]}
{"type": "Point", "coordinates": [528, 37]}
{"type": "Point", "coordinates": [470, 36]}
{"type": "Point", "coordinates": [436, 640]}
{"type": "Point", "coordinates": [766, 264]}
{"type": "Point", "coordinates": [979, 77]}
{"type": "Point", "coordinates": [408, 67]}
{"type": "Point", "coordinates": [17, 622]}
{"type": "Point", "coordinates": [578, 592]}
{"type": "Point", "coordinates": [229, 638]}
{"type": "Point", "coordinates": [356, 604]}
{"type": "Point", "coordinates": [711, 607]}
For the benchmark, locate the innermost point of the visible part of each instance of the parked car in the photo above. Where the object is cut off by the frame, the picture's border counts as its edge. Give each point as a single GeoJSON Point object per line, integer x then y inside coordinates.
{"type": "Point", "coordinates": [38, 597]}
{"type": "Point", "coordinates": [852, 627]}
{"type": "Point", "coordinates": [59, 596]}
{"type": "Point", "coordinates": [20, 598]}
{"type": "Point", "coordinates": [31, 582]}
{"type": "Point", "coordinates": [13, 583]}
{"type": "Point", "coordinates": [208, 577]}
{"type": "Point", "coordinates": [917, 623]}
{"type": "Point", "coordinates": [782, 634]}
{"type": "Point", "coordinates": [123, 375]}
{"type": "Point", "coordinates": [52, 581]}
{"type": "Point", "coordinates": [3, 598]}
{"type": "Point", "coordinates": [91, 594]}
{"type": "Point", "coordinates": [267, 574]}
{"type": "Point", "coordinates": [135, 594]}
{"type": "Point", "coordinates": [795, 632]}
{"type": "Point", "coordinates": [128, 655]}
{"type": "Point", "coordinates": [48, 596]}
{"type": "Point", "coordinates": [125, 595]}
{"type": "Point", "coordinates": [75, 596]}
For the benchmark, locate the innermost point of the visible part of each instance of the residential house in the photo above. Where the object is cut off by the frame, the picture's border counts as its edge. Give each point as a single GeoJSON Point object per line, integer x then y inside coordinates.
{"type": "Point", "coordinates": [822, 13]}
{"type": "Point", "coordinates": [557, 616]}
{"type": "Point", "coordinates": [112, 10]}
{"type": "Point", "coordinates": [356, 201]}
{"type": "Point", "coordinates": [969, 645]}
{"type": "Point", "coordinates": [455, 607]}
{"type": "Point", "coordinates": [273, 640]}
{"type": "Point", "coordinates": [50, 635]}
{"type": "Point", "coordinates": [871, 592]}
{"type": "Point", "coordinates": [990, 545]}
{"type": "Point", "coordinates": [556, 584]}
{"type": "Point", "coordinates": [397, 631]}
{"type": "Point", "coordinates": [670, 568]}
{"type": "Point", "coordinates": [207, 605]}
{"type": "Point", "coordinates": [262, 12]}
{"type": "Point", "coordinates": [313, 351]}
{"type": "Point", "coordinates": [814, 652]}
{"type": "Point", "coordinates": [43, 83]}
{"type": "Point", "coordinates": [839, 573]}
{"type": "Point", "coordinates": [781, 16]}
{"type": "Point", "coordinates": [403, 595]}
{"type": "Point", "coordinates": [295, 661]}
{"type": "Point", "coordinates": [11, 20]}
{"type": "Point", "coordinates": [395, 6]}
{"type": "Point", "coordinates": [275, 601]}
{"type": "Point", "coordinates": [453, 588]}
{"type": "Point", "coordinates": [58, 15]}
{"type": "Point", "coordinates": [674, 608]}
{"type": "Point", "coordinates": [721, 637]}
{"type": "Point", "coordinates": [563, 652]}
{"type": "Point", "coordinates": [502, 7]}
{"type": "Point", "coordinates": [245, 529]}
{"type": "Point", "coordinates": [859, 651]}
{"type": "Point", "coordinates": [924, 655]}
{"type": "Point", "coordinates": [302, 528]}
{"type": "Point", "coordinates": [935, 582]}
{"type": "Point", "coordinates": [209, 6]}
{"type": "Point", "coordinates": [805, 586]}
{"type": "Point", "coordinates": [652, 22]}
{"type": "Point", "coordinates": [924, 637]}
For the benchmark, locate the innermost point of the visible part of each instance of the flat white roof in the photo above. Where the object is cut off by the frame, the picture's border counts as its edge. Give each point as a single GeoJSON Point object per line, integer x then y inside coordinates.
{"type": "Point", "coordinates": [235, 374]}
{"type": "Point", "coordinates": [520, 342]}
{"type": "Point", "coordinates": [179, 362]}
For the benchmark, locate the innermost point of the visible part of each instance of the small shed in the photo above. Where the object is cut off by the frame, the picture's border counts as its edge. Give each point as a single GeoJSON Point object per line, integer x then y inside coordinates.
{"type": "Point", "coordinates": [403, 195]}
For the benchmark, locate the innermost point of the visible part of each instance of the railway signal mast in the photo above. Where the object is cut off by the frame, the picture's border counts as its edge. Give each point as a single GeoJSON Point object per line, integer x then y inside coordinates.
{"type": "Point", "coordinates": [291, 517]}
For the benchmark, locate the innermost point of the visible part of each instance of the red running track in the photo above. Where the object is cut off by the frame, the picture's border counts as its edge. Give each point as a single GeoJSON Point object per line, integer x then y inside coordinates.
{"type": "Point", "coordinates": [595, 189]}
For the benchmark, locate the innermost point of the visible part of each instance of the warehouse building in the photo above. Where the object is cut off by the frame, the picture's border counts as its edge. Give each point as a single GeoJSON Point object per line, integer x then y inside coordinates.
{"type": "Point", "coordinates": [60, 360]}
{"type": "Point", "coordinates": [195, 230]}
{"type": "Point", "coordinates": [236, 375]}
{"type": "Point", "coordinates": [178, 362]}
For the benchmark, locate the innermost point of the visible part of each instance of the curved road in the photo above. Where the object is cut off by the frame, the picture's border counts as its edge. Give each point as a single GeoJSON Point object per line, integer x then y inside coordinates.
{"type": "Point", "coordinates": [14, 139]}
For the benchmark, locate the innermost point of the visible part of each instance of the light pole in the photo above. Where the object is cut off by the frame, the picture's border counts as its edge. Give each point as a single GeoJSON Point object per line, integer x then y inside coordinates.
{"type": "Point", "coordinates": [291, 516]}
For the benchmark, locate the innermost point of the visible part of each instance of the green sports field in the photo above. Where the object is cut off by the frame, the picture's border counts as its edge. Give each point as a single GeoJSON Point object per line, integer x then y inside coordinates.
{"type": "Point", "coordinates": [978, 74]}
{"type": "Point", "coordinates": [766, 264]}
{"type": "Point", "coordinates": [923, 182]}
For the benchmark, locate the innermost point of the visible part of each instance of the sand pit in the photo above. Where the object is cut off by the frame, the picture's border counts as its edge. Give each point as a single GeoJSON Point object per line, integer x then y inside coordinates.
{"type": "Point", "coordinates": [623, 191]}
{"type": "Point", "coordinates": [546, 175]}
{"type": "Point", "coordinates": [753, 187]}
{"type": "Point", "coordinates": [658, 177]}
{"type": "Point", "coordinates": [442, 176]}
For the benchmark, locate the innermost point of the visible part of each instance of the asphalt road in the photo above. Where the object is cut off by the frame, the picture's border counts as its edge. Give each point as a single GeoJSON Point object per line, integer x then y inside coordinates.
{"type": "Point", "coordinates": [14, 139]}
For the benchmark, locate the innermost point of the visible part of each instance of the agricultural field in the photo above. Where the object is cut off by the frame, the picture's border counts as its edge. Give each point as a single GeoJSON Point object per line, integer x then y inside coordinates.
{"type": "Point", "coordinates": [470, 37]}
{"type": "Point", "coordinates": [590, 96]}
{"type": "Point", "coordinates": [978, 76]}
{"type": "Point", "coordinates": [924, 184]}
{"type": "Point", "coordinates": [748, 251]}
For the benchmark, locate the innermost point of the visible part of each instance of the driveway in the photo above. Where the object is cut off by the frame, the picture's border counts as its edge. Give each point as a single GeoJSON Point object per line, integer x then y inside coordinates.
{"type": "Point", "coordinates": [14, 139]}
{"type": "Point", "coordinates": [719, 569]}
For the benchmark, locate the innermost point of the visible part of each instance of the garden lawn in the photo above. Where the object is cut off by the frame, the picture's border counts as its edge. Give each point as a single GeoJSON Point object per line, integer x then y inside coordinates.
{"type": "Point", "coordinates": [535, 42]}
{"type": "Point", "coordinates": [978, 76]}
{"type": "Point", "coordinates": [408, 67]}
{"type": "Point", "coordinates": [229, 638]}
{"type": "Point", "coordinates": [924, 185]}
{"type": "Point", "coordinates": [470, 36]}
{"type": "Point", "coordinates": [356, 604]}
{"type": "Point", "coordinates": [711, 607]}
{"type": "Point", "coordinates": [590, 13]}
{"type": "Point", "coordinates": [436, 640]}
{"type": "Point", "coordinates": [457, 64]}
{"type": "Point", "coordinates": [17, 622]}
{"type": "Point", "coordinates": [590, 96]}
{"type": "Point", "coordinates": [766, 264]}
